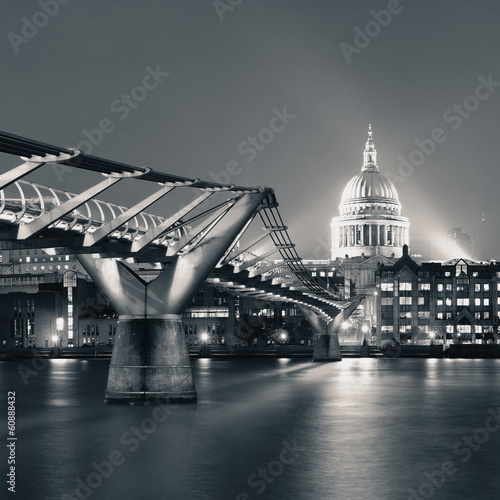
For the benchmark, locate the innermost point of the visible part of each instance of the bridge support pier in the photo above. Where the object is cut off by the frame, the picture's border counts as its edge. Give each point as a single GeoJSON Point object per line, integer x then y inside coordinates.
{"type": "Point", "coordinates": [150, 359]}
{"type": "Point", "coordinates": [327, 346]}
{"type": "Point", "coordinates": [150, 362]}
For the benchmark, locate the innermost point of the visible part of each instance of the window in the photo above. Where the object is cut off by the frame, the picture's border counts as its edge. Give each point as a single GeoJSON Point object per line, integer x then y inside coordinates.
{"type": "Point", "coordinates": [440, 302]}
{"type": "Point", "coordinates": [386, 301]}
{"type": "Point", "coordinates": [486, 315]}
{"type": "Point", "coordinates": [477, 287]}
{"type": "Point", "coordinates": [462, 302]}
{"type": "Point", "coordinates": [486, 302]}
{"type": "Point", "coordinates": [498, 287]}
{"type": "Point", "coordinates": [448, 287]}
{"type": "Point", "coordinates": [449, 328]}
{"type": "Point", "coordinates": [389, 287]}
{"type": "Point", "coordinates": [405, 286]}
{"type": "Point", "coordinates": [421, 301]}
{"type": "Point", "coordinates": [477, 302]}
{"type": "Point", "coordinates": [440, 287]}
{"type": "Point", "coordinates": [439, 315]}
{"type": "Point", "coordinates": [448, 302]}
{"type": "Point", "coordinates": [405, 301]}
{"type": "Point", "coordinates": [477, 315]}
{"type": "Point", "coordinates": [424, 286]}
{"type": "Point", "coordinates": [447, 274]}
{"type": "Point", "coordinates": [478, 329]}
{"type": "Point", "coordinates": [486, 287]}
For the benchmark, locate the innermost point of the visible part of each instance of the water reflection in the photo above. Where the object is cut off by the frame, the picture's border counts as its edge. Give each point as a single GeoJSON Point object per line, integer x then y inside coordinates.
{"type": "Point", "coordinates": [266, 428]}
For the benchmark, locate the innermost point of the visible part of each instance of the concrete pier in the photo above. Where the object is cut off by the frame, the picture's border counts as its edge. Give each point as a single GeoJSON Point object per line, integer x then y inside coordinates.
{"type": "Point", "coordinates": [327, 348]}
{"type": "Point", "coordinates": [150, 363]}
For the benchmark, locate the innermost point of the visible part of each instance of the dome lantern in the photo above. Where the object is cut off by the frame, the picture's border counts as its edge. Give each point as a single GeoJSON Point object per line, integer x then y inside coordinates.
{"type": "Point", "coordinates": [370, 153]}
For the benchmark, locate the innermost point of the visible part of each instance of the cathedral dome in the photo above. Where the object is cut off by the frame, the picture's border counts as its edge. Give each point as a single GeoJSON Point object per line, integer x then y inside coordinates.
{"type": "Point", "coordinates": [369, 185]}
{"type": "Point", "coordinates": [369, 190]}
{"type": "Point", "coordinates": [370, 221]}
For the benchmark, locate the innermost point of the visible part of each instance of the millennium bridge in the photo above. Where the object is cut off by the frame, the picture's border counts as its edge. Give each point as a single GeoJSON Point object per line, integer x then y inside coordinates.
{"type": "Point", "coordinates": [212, 237]}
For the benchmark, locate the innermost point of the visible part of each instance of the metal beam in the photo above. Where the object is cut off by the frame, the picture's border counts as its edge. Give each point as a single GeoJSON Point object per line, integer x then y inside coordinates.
{"type": "Point", "coordinates": [30, 165]}
{"type": "Point", "coordinates": [157, 231]}
{"type": "Point", "coordinates": [26, 230]}
{"type": "Point", "coordinates": [113, 225]}
{"type": "Point", "coordinates": [259, 238]}
{"type": "Point", "coordinates": [197, 233]}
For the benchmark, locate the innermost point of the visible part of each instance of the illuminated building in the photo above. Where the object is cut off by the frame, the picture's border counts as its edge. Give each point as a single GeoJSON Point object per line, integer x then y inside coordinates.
{"type": "Point", "coordinates": [369, 231]}
{"type": "Point", "coordinates": [452, 302]}
{"type": "Point", "coordinates": [370, 221]}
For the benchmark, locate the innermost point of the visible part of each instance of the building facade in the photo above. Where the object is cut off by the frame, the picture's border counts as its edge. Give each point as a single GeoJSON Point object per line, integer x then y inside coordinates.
{"type": "Point", "coordinates": [452, 302]}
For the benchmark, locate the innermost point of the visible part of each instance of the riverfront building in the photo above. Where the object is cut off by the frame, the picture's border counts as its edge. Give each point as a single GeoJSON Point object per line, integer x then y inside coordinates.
{"type": "Point", "coordinates": [452, 302]}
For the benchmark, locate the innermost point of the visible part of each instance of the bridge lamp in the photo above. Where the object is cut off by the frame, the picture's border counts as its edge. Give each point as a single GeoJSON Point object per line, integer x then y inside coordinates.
{"type": "Point", "coordinates": [204, 337]}
{"type": "Point", "coordinates": [364, 328]}
{"type": "Point", "coordinates": [283, 337]}
{"type": "Point", "coordinates": [54, 339]}
{"type": "Point", "coordinates": [431, 337]}
{"type": "Point", "coordinates": [345, 325]}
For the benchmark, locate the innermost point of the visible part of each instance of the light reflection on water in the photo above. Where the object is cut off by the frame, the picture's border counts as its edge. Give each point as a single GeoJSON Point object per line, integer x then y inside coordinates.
{"type": "Point", "coordinates": [361, 429]}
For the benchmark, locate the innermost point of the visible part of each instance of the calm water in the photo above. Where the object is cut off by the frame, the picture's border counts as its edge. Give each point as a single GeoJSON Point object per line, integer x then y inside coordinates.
{"type": "Point", "coordinates": [359, 429]}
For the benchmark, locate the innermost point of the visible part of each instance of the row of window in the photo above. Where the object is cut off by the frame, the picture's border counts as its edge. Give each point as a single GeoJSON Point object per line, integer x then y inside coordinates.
{"type": "Point", "coordinates": [407, 286]}
{"type": "Point", "coordinates": [422, 301]}
{"type": "Point", "coordinates": [51, 259]}
{"type": "Point", "coordinates": [424, 316]}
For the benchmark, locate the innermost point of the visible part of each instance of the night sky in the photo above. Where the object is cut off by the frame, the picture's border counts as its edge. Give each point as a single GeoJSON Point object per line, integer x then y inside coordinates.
{"type": "Point", "coordinates": [231, 71]}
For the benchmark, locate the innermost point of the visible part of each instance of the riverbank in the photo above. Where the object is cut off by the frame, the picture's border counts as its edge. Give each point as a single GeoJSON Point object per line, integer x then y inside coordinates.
{"type": "Point", "coordinates": [454, 351]}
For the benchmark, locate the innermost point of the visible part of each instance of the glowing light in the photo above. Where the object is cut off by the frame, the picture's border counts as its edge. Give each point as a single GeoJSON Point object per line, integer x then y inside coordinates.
{"type": "Point", "coordinates": [59, 323]}
{"type": "Point", "coordinates": [204, 337]}
{"type": "Point", "coordinates": [364, 328]}
{"type": "Point", "coordinates": [345, 325]}
{"type": "Point", "coordinates": [54, 338]}
{"type": "Point", "coordinates": [283, 336]}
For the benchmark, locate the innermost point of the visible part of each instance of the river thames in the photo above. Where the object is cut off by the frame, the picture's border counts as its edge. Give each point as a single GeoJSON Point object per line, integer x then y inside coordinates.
{"type": "Point", "coordinates": [262, 429]}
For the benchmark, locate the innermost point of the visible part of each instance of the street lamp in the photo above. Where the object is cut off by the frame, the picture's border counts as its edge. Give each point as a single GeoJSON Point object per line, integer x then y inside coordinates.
{"type": "Point", "coordinates": [345, 325]}
{"type": "Point", "coordinates": [283, 337]}
{"type": "Point", "coordinates": [54, 339]}
{"type": "Point", "coordinates": [204, 337]}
